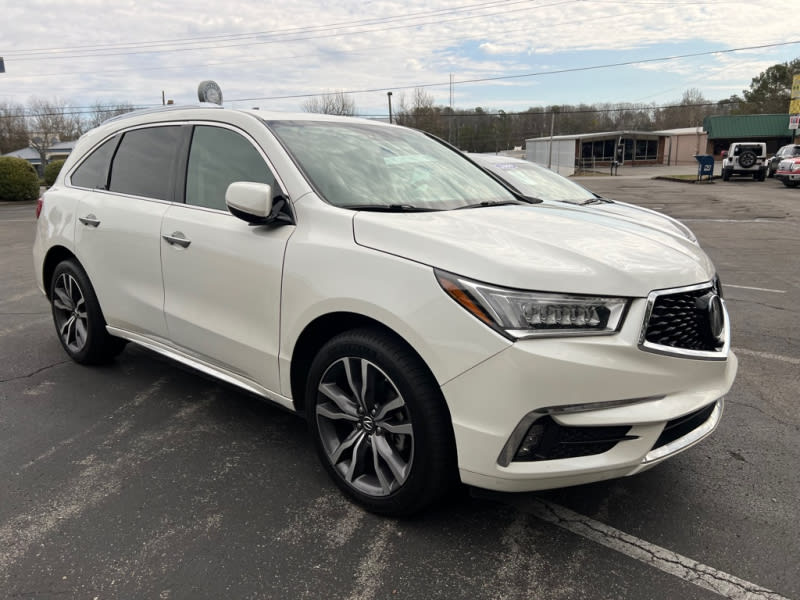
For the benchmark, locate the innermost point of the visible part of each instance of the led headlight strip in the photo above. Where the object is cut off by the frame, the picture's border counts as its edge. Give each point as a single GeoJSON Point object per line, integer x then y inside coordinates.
{"type": "Point", "coordinates": [519, 314]}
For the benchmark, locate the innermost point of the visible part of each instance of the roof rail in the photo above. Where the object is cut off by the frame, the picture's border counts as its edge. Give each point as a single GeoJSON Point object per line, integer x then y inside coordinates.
{"type": "Point", "coordinates": [158, 109]}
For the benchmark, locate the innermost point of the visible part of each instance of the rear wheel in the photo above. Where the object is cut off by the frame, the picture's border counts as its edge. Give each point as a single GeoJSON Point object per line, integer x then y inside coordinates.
{"type": "Point", "coordinates": [77, 316]}
{"type": "Point", "coordinates": [726, 174]}
{"type": "Point", "coordinates": [379, 423]}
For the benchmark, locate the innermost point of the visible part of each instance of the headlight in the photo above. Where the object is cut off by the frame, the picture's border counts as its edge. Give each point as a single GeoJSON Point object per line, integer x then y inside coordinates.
{"type": "Point", "coordinates": [519, 314]}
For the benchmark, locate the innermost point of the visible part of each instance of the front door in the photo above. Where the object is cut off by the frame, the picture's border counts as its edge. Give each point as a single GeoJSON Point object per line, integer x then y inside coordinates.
{"type": "Point", "coordinates": [222, 277]}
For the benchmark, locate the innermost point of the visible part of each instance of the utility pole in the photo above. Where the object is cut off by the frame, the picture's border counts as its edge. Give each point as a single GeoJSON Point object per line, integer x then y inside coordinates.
{"type": "Point", "coordinates": [553, 111]}
{"type": "Point", "coordinates": [450, 123]}
{"type": "Point", "coordinates": [389, 96]}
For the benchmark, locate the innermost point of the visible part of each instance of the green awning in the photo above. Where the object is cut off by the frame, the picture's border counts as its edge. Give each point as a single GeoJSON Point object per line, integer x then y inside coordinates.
{"type": "Point", "coordinates": [744, 127]}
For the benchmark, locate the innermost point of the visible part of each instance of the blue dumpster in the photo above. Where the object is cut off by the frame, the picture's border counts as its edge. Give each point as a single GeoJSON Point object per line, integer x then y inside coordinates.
{"type": "Point", "coordinates": [705, 166]}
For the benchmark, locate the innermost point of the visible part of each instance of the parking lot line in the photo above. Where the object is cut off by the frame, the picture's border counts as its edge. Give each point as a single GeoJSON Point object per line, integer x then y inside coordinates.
{"type": "Point", "coordinates": [787, 359]}
{"type": "Point", "coordinates": [709, 578]}
{"type": "Point", "coordinates": [758, 289]}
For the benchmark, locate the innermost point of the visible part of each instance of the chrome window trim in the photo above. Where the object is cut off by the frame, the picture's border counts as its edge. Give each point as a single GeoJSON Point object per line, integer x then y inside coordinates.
{"type": "Point", "coordinates": [721, 354]}
{"type": "Point", "coordinates": [281, 185]}
{"type": "Point", "coordinates": [506, 456]}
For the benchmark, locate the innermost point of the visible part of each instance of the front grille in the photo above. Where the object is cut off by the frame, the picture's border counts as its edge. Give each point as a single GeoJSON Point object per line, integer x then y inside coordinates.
{"type": "Point", "coordinates": [679, 427]}
{"type": "Point", "coordinates": [559, 441]}
{"type": "Point", "coordinates": [681, 320]}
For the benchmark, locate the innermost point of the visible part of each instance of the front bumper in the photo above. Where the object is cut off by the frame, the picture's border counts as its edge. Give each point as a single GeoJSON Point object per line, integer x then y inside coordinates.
{"type": "Point", "coordinates": [788, 175]}
{"type": "Point", "coordinates": [579, 382]}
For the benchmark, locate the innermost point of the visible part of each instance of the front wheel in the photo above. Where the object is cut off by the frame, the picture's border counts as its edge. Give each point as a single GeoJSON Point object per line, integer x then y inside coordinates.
{"type": "Point", "coordinates": [77, 316]}
{"type": "Point", "coordinates": [789, 184]}
{"type": "Point", "coordinates": [379, 423]}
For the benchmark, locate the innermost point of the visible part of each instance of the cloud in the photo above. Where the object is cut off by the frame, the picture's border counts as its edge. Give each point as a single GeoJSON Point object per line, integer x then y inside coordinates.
{"type": "Point", "coordinates": [133, 51]}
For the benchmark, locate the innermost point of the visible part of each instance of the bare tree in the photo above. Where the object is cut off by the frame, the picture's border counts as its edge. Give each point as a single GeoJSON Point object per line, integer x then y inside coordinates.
{"type": "Point", "coordinates": [49, 122]}
{"type": "Point", "coordinates": [337, 103]}
{"type": "Point", "coordinates": [102, 111]}
{"type": "Point", "coordinates": [13, 129]}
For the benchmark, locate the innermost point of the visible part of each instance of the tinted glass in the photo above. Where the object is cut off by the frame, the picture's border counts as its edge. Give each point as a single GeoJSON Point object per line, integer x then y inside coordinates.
{"type": "Point", "coordinates": [144, 163]}
{"type": "Point", "coordinates": [219, 157]}
{"type": "Point", "coordinates": [356, 164]}
{"type": "Point", "coordinates": [93, 171]}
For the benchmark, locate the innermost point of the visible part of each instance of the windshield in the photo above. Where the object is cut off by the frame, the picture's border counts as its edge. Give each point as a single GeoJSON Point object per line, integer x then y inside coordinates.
{"type": "Point", "coordinates": [537, 182]}
{"type": "Point", "coordinates": [360, 165]}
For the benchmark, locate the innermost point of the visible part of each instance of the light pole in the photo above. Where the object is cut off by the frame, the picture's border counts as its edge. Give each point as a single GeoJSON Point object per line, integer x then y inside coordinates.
{"type": "Point", "coordinates": [389, 95]}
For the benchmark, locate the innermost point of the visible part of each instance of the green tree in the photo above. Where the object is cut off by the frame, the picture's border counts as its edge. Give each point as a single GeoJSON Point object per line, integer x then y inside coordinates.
{"type": "Point", "coordinates": [18, 180]}
{"type": "Point", "coordinates": [771, 90]}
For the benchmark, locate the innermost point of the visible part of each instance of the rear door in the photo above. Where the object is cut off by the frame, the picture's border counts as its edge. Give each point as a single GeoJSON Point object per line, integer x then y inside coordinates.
{"type": "Point", "coordinates": [117, 235]}
{"type": "Point", "coordinates": [222, 277]}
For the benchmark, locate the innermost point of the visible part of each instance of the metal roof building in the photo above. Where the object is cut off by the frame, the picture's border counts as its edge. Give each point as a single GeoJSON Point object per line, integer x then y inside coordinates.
{"type": "Point", "coordinates": [723, 130]}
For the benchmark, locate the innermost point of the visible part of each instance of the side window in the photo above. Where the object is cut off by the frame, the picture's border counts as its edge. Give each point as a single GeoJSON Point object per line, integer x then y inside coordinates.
{"type": "Point", "coordinates": [93, 171]}
{"type": "Point", "coordinates": [145, 162]}
{"type": "Point", "coordinates": [217, 158]}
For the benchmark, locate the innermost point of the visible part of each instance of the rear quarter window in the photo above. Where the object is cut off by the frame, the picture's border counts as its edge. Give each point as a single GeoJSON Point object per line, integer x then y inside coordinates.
{"type": "Point", "coordinates": [93, 171]}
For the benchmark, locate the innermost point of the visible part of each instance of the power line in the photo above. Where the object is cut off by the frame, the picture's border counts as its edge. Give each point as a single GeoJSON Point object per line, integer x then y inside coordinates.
{"type": "Point", "coordinates": [535, 74]}
{"type": "Point", "coordinates": [28, 54]}
{"type": "Point", "coordinates": [367, 50]}
{"type": "Point", "coordinates": [528, 112]}
{"type": "Point", "coordinates": [316, 36]}
{"type": "Point", "coordinates": [201, 39]}
{"type": "Point", "coordinates": [523, 75]}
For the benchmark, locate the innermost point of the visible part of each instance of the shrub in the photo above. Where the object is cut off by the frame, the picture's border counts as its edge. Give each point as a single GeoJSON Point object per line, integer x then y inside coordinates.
{"type": "Point", "coordinates": [18, 179]}
{"type": "Point", "coordinates": [51, 171]}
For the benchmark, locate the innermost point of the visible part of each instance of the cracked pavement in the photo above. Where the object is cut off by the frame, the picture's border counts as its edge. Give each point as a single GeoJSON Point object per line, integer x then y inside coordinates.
{"type": "Point", "coordinates": [144, 479]}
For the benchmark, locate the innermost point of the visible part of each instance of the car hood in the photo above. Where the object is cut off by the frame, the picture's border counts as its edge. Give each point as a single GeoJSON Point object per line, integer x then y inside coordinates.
{"type": "Point", "coordinates": [541, 247]}
{"type": "Point", "coordinates": [641, 215]}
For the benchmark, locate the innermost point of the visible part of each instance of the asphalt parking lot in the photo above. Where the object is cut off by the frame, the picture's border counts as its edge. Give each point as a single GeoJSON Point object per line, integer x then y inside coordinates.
{"type": "Point", "coordinates": [143, 479]}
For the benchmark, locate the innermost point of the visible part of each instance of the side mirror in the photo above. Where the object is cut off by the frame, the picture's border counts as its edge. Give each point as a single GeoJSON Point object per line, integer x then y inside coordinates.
{"type": "Point", "coordinates": [251, 202]}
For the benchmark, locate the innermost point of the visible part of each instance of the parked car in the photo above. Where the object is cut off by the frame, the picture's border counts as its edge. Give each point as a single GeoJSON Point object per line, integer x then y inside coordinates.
{"type": "Point", "coordinates": [783, 152]}
{"type": "Point", "coordinates": [745, 158]}
{"type": "Point", "coordinates": [789, 172]}
{"type": "Point", "coordinates": [537, 182]}
{"type": "Point", "coordinates": [431, 324]}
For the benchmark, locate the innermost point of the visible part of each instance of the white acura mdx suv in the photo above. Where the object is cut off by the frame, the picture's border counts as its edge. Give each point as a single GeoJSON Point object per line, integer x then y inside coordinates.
{"type": "Point", "coordinates": [431, 324]}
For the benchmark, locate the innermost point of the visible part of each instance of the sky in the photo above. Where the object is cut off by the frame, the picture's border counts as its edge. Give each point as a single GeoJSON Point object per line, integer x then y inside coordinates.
{"type": "Point", "coordinates": [501, 54]}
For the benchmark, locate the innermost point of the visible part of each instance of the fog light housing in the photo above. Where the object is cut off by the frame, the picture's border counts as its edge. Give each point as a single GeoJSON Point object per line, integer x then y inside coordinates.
{"type": "Point", "coordinates": [531, 442]}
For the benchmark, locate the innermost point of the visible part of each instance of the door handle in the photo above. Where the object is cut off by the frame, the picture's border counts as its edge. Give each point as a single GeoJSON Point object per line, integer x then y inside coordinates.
{"type": "Point", "coordinates": [177, 239]}
{"type": "Point", "coordinates": [89, 220]}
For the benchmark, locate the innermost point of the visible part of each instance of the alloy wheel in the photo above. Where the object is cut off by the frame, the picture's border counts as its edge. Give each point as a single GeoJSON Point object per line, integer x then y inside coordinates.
{"type": "Point", "coordinates": [365, 426]}
{"type": "Point", "coordinates": [69, 308]}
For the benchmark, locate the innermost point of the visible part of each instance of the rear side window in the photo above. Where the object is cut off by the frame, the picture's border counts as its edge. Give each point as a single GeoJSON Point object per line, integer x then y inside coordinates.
{"type": "Point", "coordinates": [217, 158]}
{"type": "Point", "coordinates": [93, 172]}
{"type": "Point", "coordinates": [145, 162]}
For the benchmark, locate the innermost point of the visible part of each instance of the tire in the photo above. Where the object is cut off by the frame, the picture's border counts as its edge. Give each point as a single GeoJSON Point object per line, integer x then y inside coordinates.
{"type": "Point", "coordinates": [760, 176]}
{"type": "Point", "coordinates": [747, 159]}
{"type": "Point", "coordinates": [726, 174]}
{"type": "Point", "coordinates": [770, 173]}
{"type": "Point", "coordinates": [790, 184]}
{"type": "Point", "coordinates": [387, 443]}
{"type": "Point", "coordinates": [79, 322]}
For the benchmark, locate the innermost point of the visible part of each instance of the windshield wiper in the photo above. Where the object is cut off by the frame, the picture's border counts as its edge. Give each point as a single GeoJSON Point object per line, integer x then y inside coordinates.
{"type": "Point", "coordinates": [489, 203]}
{"type": "Point", "coordinates": [390, 208]}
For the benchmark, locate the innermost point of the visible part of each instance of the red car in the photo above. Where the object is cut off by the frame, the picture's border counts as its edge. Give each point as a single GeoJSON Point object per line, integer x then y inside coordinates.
{"type": "Point", "coordinates": [789, 171]}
